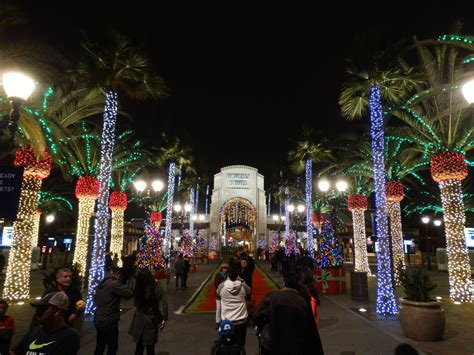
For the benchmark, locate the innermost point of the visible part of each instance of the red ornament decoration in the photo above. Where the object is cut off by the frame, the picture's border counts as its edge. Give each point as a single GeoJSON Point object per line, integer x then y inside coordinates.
{"type": "Point", "coordinates": [394, 191]}
{"type": "Point", "coordinates": [448, 166]}
{"type": "Point", "coordinates": [118, 201]}
{"type": "Point", "coordinates": [87, 187]}
{"type": "Point", "coordinates": [156, 217]}
{"type": "Point", "coordinates": [315, 219]}
{"type": "Point", "coordinates": [357, 203]}
{"type": "Point", "coordinates": [33, 167]}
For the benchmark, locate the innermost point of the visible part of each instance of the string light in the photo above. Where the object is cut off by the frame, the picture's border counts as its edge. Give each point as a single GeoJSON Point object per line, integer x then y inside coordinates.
{"type": "Point", "coordinates": [169, 212]}
{"type": "Point", "coordinates": [101, 225]}
{"type": "Point", "coordinates": [386, 303]}
{"type": "Point", "coordinates": [150, 255]}
{"type": "Point", "coordinates": [191, 214]}
{"type": "Point", "coordinates": [287, 212]}
{"type": "Point", "coordinates": [17, 282]}
{"type": "Point", "coordinates": [448, 169]}
{"type": "Point", "coordinates": [309, 207]}
{"type": "Point", "coordinates": [185, 246]}
{"type": "Point", "coordinates": [290, 245]}
{"type": "Point", "coordinates": [395, 194]}
{"type": "Point", "coordinates": [357, 204]}
{"type": "Point", "coordinates": [36, 226]}
{"type": "Point", "coordinates": [207, 199]}
{"type": "Point", "coordinates": [118, 205]}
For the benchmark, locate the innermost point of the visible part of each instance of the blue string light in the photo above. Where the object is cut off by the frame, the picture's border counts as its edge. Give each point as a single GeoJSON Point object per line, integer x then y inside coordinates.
{"type": "Point", "coordinates": [191, 214]}
{"type": "Point", "coordinates": [309, 194]}
{"type": "Point", "coordinates": [287, 213]}
{"type": "Point", "coordinates": [207, 199]}
{"type": "Point", "coordinates": [102, 216]}
{"type": "Point", "coordinates": [169, 213]}
{"type": "Point", "coordinates": [386, 303]}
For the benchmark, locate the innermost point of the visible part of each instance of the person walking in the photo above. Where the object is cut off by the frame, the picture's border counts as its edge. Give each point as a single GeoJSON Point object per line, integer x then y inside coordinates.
{"type": "Point", "coordinates": [284, 315]}
{"type": "Point", "coordinates": [107, 315]}
{"type": "Point", "coordinates": [231, 295]}
{"type": "Point", "coordinates": [53, 336]}
{"type": "Point", "coordinates": [179, 267]}
{"type": "Point", "coordinates": [187, 269]}
{"type": "Point", "coordinates": [151, 312]}
{"type": "Point", "coordinates": [129, 269]}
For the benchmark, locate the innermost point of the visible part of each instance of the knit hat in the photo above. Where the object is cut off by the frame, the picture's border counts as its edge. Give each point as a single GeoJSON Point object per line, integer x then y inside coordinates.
{"type": "Point", "coordinates": [226, 328]}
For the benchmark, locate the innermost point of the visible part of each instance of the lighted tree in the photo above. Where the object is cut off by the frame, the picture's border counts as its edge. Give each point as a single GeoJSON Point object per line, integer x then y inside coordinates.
{"type": "Point", "coordinates": [113, 67]}
{"type": "Point", "coordinates": [358, 204]}
{"type": "Point", "coordinates": [151, 254]}
{"type": "Point", "coordinates": [275, 242]}
{"type": "Point", "coordinates": [328, 254]}
{"type": "Point", "coordinates": [291, 245]}
{"type": "Point", "coordinates": [37, 168]}
{"type": "Point", "coordinates": [439, 123]}
{"type": "Point", "coordinates": [307, 151]}
{"type": "Point", "coordinates": [185, 245]}
{"type": "Point", "coordinates": [366, 89]}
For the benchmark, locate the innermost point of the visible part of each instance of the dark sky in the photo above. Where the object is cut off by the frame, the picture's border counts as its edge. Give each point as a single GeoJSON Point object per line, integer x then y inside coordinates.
{"type": "Point", "coordinates": [242, 82]}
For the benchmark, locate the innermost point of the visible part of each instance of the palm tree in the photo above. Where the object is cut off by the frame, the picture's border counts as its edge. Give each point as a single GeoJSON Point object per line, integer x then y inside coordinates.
{"type": "Point", "coordinates": [110, 68]}
{"type": "Point", "coordinates": [439, 124]}
{"type": "Point", "coordinates": [176, 155]}
{"type": "Point", "coordinates": [310, 149]}
{"type": "Point", "coordinates": [383, 80]}
{"type": "Point", "coordinates": [130, 159]}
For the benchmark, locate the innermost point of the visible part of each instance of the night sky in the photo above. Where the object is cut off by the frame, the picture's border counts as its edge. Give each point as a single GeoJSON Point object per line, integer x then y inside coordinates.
{"type": "Point", "coordinates": [242, 83]}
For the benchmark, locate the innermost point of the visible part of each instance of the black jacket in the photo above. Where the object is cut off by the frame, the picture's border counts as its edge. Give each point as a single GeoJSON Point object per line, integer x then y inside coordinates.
{"type": "Point", "coordinates": [288, 317]}
{"type": "Point", "coordinates": [107, 301]}
{"type": "Point", "coordinates": [74, 295]}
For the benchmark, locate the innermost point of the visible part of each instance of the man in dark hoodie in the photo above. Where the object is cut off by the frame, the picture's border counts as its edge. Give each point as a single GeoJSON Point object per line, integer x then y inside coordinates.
{"type": "Point", "coordinates": [107, 315]}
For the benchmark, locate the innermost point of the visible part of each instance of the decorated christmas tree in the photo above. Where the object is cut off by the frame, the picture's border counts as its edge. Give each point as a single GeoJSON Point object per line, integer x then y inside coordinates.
{"type": "Point", "coordinates": [150, 256]}
{"type": "Point", "coordinates": [291, 247]}
{"type": "Point", "coordinates": [328, 254]}
{"type": "Point", "coordinates": [200, 245]}
{"type": "Point", "coordinates": [185, 246]}
{"type": "Point", "coordinates": [275, 242]}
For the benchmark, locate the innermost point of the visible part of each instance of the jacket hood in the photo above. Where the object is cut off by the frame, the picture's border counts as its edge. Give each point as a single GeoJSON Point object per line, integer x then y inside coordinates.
{"type": "Point", "coordinates": [233, 286]}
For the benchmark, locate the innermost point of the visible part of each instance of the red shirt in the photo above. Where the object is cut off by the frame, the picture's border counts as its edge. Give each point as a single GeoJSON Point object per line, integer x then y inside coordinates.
{"type": "Point", "coordinates": [8, 323]}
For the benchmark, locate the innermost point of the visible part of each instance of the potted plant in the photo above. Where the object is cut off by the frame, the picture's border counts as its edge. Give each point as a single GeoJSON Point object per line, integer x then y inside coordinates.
{"type": "Point", "coordinates": [421, 317]}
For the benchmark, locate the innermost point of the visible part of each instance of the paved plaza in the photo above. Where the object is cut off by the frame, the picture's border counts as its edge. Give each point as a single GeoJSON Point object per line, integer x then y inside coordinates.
{"type": "Point", "coordinates": [343, 329]}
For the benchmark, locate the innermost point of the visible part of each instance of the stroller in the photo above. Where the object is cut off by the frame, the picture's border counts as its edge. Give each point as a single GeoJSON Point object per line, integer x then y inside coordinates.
{"type": "Point", "coordinates": [226, 344]}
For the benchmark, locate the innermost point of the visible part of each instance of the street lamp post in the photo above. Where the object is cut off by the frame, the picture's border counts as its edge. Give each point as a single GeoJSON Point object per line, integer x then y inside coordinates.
{"type": "Point", "coordinates": [425, 221]}
{"type": "Point", "coordinates": [18, 88]}
{"type": "Point", "coordinates": [147, 191]}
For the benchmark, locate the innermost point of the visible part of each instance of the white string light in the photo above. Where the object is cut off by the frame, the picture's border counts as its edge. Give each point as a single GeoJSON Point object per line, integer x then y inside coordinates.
{"type": "Point", "coordinates": [386, 303]}
{"type": "Point", "coordinates": [287, 212]}
{"type": "Point", "coordinates": [457, 252]}
{"type": "Point", "coordinates": [169, 213]}
{"type": "Point", "coordinates": [396, 233]}
{"type": "Point", "coordinates": [85, 213]}
{"type": "Point", "coordinates": [116, 233]}
{"type": "Point", "coordinates": [191, 214]}
{"type": "Point", "coordinates": [309, 207]}
{"type": "Point", "coordinates": [101, 223]}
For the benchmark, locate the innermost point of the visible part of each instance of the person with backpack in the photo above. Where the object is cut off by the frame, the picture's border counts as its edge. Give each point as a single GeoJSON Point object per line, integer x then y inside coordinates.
{"type": "Point", "coordinates": [232, 295]}
{"type": "Point", "coordinates": [151, 312]}
{"type": "Point", "coordinates": [226, 344]}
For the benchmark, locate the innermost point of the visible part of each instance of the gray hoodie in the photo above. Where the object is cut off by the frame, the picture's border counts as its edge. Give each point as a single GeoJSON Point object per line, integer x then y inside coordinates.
{"type": "Point", "coordinates": [107, 301]}
{"type": "Point", "coordinates": [230, 297]}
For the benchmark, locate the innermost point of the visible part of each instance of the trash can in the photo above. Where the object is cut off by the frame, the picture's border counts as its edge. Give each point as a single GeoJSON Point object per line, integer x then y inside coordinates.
{"type": "Point", "coordinates": [359, 286]}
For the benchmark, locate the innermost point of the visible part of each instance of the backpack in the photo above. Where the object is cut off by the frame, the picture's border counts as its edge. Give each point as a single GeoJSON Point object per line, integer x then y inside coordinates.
{"type": "Point", "coordinates": [222, 347]}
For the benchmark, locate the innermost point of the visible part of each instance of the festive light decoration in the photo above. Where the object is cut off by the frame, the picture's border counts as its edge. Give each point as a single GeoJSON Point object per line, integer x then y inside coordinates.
{"type": "Point", "coordinates": [101, 225]}
{"type": "Point", "coordinates": [269, 204]}
{"type": "Point", "coordinates": [214, 244]}
{"type": "Point", "coordinates": [87, 191]}
{"type": "Point", "coordinates": [291, 246]}
{"type": "Point", "coordinates": [207, 200]}
{"type": "Point", "coordinates": [169, 212]}
{"type": "Point", "coordinates": [357, 204]}
{"type": "Point", "coordinates": [394, 195]}
{"type": "Point", "coordinates": [309, 209]}
{"type": "Point", "coordinates": [200, 245]}
{"type": "Point", "coordinates": [328, 254]}
{"type": "Point", "coordinates": [287, 213]}
{"type": "Point", "coordinates": [118, 205]}
{"type": "Point", "coordinates": [238, 211]}
{"type": "Point", "coordinates": [196, 199]}
{"type": "Point", "coordinates": [185, 245]}
{"type": "Point", "coordinates": [386, 303]}
{"type": "Point", "coordinates": [17, 282]}
{"type": "Point", "coordinates": [275, 242]}
{"type": "Point", "coordinates": [448, 166]}
{"type": "Point", "coordinates": [191, 214]}
{"type": "Point", "coordinates": [150, 255]}
{"type": "Point", "coordinates": [156, 217]}
{"type": "Point", "coordinates": [36, 227]}
{"type": "Point", "coordinates": [448, 169]}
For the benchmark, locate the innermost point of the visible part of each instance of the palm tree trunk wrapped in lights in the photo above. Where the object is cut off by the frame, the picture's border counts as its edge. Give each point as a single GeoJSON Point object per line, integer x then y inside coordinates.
{"type": "Point", "coordinates": [358, 204]}
{"type": "Point", "coordinates": [118, 205]}
{"type": "Point", "coordinates": [394, 193]}
{"type": "Point", "coordinates": [449, 169]}
{"type": "Point", "coordinates": [87, 191]}
{"type": "Point", "coordinates": [17, 282]}
{"type": "Point", "coordinates": [36, 226]}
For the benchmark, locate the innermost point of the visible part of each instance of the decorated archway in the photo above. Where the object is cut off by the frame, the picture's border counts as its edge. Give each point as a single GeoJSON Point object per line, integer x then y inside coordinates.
{"type": "Point", "coordinates": [238, 218]}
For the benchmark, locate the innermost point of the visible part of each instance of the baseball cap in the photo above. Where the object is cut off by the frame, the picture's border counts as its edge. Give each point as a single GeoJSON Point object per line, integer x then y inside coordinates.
{"type": "Point", "coordinates": [226, 328]}
{"type": "Point", "coordinates": [58, 299]}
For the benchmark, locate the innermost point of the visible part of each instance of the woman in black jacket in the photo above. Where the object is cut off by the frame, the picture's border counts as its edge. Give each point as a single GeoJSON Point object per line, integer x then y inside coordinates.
{"type": "Point", "coordinates": [151, 312]}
